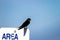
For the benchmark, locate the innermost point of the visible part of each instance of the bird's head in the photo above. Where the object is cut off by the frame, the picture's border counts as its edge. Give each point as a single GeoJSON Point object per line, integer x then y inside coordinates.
{"type": "Point", "coordinates": [29, 19]}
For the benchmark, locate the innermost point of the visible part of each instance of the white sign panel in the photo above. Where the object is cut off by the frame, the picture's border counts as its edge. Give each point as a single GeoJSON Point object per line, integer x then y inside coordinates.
{"type": "Point", "coordinates": [13, 34]}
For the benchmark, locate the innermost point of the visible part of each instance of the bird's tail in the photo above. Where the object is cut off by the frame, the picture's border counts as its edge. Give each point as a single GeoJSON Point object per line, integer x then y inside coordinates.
{"type": "Point", "coordinates": [19, 28]}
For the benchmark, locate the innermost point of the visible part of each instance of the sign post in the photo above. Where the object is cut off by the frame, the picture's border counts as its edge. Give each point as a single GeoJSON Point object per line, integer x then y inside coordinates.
{"type": "Point", "coordinates": [13, 34]}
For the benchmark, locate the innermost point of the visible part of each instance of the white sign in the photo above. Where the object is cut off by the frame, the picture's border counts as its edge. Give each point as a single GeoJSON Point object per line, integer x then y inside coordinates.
{"type": "Point", "coordinates": [13, 34]}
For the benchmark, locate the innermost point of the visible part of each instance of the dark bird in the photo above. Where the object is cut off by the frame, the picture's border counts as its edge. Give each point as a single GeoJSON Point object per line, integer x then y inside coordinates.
{"type": "Point", "coordinates": [25, 24]}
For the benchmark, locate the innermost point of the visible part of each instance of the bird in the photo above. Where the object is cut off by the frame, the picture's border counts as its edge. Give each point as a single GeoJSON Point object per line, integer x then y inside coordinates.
{"type": "Point", "coordinates": [25, 24]}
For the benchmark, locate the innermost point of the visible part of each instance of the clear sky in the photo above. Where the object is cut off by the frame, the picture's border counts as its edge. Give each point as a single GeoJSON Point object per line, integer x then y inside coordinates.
{"type": "Point", "coordinates": [44, 14]}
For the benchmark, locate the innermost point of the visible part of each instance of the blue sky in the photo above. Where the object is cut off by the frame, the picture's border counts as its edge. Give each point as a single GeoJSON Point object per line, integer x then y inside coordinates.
{"type": "Point", "coordinates": [44, 14]}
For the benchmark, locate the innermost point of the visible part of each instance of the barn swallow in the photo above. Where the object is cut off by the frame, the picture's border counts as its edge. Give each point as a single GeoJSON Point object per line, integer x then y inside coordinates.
{"type": "Point", "coordinates": [24, 25]}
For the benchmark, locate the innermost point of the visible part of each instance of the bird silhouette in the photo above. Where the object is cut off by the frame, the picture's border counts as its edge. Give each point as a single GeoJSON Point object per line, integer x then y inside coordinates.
{"type": "Point", "coordinates": [25, 24]}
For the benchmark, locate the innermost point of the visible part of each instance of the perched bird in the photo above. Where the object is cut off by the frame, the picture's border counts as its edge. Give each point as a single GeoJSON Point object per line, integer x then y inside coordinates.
{"type": "Point", "coordinates": [25, 24]}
